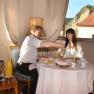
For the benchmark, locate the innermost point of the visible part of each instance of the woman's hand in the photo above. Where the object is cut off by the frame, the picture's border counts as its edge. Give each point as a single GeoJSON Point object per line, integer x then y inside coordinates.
{"type": "Point", "coordinates": [61, 52]}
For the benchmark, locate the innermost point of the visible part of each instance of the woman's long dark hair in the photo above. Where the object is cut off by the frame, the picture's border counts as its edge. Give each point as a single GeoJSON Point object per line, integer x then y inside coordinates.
{"type": "Point", "coordinates": [73, 38]}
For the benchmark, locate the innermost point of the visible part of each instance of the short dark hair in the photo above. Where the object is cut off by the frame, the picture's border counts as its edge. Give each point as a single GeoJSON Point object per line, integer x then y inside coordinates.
{"type": "Point", "coordinates": [38, 28]}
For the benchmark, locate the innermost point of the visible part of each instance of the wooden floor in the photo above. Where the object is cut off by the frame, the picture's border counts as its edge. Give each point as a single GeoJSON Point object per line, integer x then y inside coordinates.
{"type": "Point", "coordinates": [3, 92]}
{"type": "Point", "coordinates": [7, 92]}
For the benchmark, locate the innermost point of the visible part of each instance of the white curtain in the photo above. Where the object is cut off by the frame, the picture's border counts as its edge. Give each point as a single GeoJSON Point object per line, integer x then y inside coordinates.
{"type": "Point", "coordinates": [53, 12]}
{"type": "Point", "coordinates": [19, 12]}
{"type": "Point", "coordinates": [15, 16]}
{"type": "Point", "coordinates": [4, 42]}
{"type": "Point", "coordinates": [55, 16]}
{"type": "Point", "coordinates": [11, 19]}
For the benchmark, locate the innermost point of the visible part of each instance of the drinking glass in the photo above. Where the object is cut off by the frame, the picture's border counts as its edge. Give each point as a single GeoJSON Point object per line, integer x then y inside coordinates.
{"type": "Point", "coordinates": [1, 69]}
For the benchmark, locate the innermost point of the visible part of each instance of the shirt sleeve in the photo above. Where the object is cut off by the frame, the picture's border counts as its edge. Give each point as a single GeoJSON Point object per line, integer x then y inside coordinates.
{"type": "Point", "coordinates": [28, 47]}
{"type": "Point", "coordinates": [79, 51]}
{"type": "Point", "coordinates": [32, 42]}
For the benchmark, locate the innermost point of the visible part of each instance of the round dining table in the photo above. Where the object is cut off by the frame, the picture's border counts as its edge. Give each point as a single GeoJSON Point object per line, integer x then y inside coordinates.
{"type": "Point", "coordinates": [54, 79]}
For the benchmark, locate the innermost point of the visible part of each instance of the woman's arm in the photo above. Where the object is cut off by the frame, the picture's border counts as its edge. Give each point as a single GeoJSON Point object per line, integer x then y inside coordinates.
{"type": "Point", "coordinates": [79, 51]}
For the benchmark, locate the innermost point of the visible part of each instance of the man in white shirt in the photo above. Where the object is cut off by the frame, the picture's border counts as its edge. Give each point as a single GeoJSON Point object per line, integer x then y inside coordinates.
{"type": "Point", "coordinates": [28, 55]}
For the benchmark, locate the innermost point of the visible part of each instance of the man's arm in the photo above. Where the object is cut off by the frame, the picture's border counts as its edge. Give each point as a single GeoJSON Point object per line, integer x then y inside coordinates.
{"type": "Point", "coordinates": [51, 44]}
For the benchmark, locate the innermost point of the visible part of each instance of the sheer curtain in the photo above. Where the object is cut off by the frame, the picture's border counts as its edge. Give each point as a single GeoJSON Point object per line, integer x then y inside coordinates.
{"type": "Point", "coordinates": [15, 16]}
{"type": "Point", "coordinates": [55, 16]}
{"type": "Point", "coordinates": [18, 13]}
{"type": "Point", "coordinates": [53, 12]}
{"type": "Point", "coordinates": [11, 19]}
{"type": "Point", "coordinates": [4, 42]}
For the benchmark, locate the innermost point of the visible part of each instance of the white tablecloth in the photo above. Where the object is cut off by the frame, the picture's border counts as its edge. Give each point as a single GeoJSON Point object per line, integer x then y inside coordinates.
{"type": "Point", "coordinates": [55, 80]}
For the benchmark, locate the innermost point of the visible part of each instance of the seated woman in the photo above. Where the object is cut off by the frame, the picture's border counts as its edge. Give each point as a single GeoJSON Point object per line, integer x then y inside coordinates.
{"type": "Point", "coordinates": [72, 48]}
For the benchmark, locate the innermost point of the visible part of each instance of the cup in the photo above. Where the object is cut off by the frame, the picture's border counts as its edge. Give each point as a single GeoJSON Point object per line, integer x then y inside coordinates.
{"type": "Point", "coordinates": [83, 65]}
{"type": "Point", "coordinates": [1, 69]}
{"type": "Point", "coordinates": [73, 65]}
{"type": "Point", "coordinates": [1, 74]}
{"type": "Point", "coordinates": [50, 61]}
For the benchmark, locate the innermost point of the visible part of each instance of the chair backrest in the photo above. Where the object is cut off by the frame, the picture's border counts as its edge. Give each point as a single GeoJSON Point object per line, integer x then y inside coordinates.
{"type": "Point", "coordinates": [1, 64]}
{"type": "Point", "coordinates": [15, 55]}
{"type": "Point", "coordinates": [1, 68]}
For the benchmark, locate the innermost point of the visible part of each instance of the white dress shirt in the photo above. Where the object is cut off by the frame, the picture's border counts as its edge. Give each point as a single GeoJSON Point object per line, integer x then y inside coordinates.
{"type": "Point", "coordinates": [28, 52]}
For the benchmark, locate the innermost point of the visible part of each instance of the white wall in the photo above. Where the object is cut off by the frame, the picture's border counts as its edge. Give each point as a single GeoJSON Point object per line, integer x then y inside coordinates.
{"type": "Point", "coordinates": [85, 32]}
{"type": "Point", "coordinates": [88, 48]}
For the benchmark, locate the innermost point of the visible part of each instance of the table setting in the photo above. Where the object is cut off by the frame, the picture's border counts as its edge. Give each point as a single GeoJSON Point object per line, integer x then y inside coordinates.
{"type": "Point", "coordinates": [64, 63]}
{"type": "Point", "coordinates": [60, 75]}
